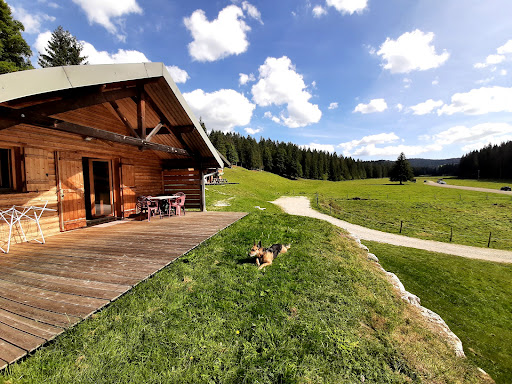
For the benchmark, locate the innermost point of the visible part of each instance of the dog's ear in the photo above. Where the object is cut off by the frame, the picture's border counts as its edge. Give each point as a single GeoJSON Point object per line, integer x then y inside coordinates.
{"type": "Point", "coordinates": [259, 244]}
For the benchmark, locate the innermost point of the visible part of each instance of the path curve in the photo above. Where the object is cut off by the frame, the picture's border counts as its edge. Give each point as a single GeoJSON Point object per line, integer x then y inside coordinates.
{"type": "Point", "coordinates": [488, 190]}
{"type": "Point", "coordinates": [300, 206]}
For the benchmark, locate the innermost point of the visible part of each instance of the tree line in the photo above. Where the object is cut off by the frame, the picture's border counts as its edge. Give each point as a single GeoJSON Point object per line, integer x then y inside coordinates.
{"type": "Point", "coordinates": [290, 160]}
{"type": "Point", "coordinates": [490, 162]}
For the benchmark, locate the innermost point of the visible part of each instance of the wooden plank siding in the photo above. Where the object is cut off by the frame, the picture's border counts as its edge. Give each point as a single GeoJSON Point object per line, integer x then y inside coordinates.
{"type": "Point", "coordinates": [187, 181]}
{"type": "Point", "coordinates": [45, 289]}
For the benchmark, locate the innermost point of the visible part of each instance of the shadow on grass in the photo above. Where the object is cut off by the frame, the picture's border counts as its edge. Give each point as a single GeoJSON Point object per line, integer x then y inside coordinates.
{"type": "Point", "coordinates": [246, 260]}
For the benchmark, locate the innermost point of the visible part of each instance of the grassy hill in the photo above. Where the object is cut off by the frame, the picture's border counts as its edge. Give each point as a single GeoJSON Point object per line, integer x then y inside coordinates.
{"type": "Point", "coordinates": [425, 212]}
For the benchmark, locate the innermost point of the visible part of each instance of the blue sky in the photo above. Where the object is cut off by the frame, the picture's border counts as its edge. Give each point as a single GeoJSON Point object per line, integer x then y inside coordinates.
{"type": "Point", "coordinates": [364, 78]}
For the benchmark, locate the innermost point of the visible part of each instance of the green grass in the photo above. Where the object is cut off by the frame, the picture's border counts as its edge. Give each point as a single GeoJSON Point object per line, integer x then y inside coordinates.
{"type": "Point", "coordinates": [473, 297]}
{"type": "Point", "coordinates": [320, 314]}
{"type": "Point", "coordinates": [426, 212]}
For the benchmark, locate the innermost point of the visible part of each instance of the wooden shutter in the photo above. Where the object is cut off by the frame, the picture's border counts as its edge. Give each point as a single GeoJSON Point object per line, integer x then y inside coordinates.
{"type": "Point", "coordinates": [72, 195]}
{"type": "Point", "coordinates": [128, 189]}
{"type": "Point", "coordinates": [37, 169]}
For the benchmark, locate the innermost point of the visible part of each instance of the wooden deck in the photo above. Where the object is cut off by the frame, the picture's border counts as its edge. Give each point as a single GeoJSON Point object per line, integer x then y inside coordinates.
{"type": "Point", "coordinates": [47, 288]}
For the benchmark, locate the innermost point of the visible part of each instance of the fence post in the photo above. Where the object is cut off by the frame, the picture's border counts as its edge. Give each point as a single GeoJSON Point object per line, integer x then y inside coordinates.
{"type": "Point", "coordinates": [401, 224]}
{"type": "Point", "coordinates": [451, 234]}
{"type": "Point", "coordinates": [489, 242]}
{"type": "Point", "coordinates": [317, 199]}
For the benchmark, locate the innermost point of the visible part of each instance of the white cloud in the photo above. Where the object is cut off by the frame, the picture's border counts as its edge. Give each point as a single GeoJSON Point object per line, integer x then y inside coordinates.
{"type": "Point", "coordinates": [319, 11]}
{"type": "Point", "coordinates": [31, 22]}
{"type": "Point", "coordinates": [435, 82]}
{"type": "Point", "coordinates": [270, 116]}
{"type": "Point", "coordinates": [103, 57]}
{"type": "Point", "coordinates": [375, 105]}
{"type": "Point", "coordinates": [348, 6]}
{"type": "Point", "coordinates": [221, 110]}
{"type": "Point", "coordinates": [399, 107]}
{"type": "Point", "coordinates": [407, 82]}
{"type": "Point", "coordinates": [108, 13]}
{"type": "Point", "coordinates": [244, 78]}
{"type": "Point", "coordinates": [319, 147]}
{"type": "Point", "coordinates": [505, 48]}
{"type": "Point", "coordinates": [333, 105]}
{"type": "Point", "coordinates": [503, 72]}
{"type": "Point", "coordinates": [280, 84]}
{"type": "Point", "coordinates": [410, 52]}
{"type": "Point", "coordinates": [42, 41]}
{"type": "Point", "coordinates": [178, 75]}
{"type": "Point", "coordinates": [252, 11]}
{"type": "Point", "coordinates": [426, 107]}
{"type": "Point", "coordinates": [389, 151]}
{"type": "Point", "coordinates": [490, 60]}
{"type": "Point", "coordinates": [222, 37]}
{"type": "Point", "coordinates": [380, 138]}
{"type": "Point", "coordinates": [486, 133]}
{"type": "Point", "coordinates": [480, 101]}
{"type": "Point", "coordinates": [251, 131]}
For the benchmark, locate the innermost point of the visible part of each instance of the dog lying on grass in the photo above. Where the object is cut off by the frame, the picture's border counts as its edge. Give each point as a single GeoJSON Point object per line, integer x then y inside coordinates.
{"type": "Point", "coordinates": [265, 256]}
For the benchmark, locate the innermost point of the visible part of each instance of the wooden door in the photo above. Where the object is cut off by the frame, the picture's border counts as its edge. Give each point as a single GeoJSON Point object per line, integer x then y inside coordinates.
{"type": "Point", "coordinates": [128, 189]}
{"type": "Point", "coordinates": [71, 191]}
{"type": "Point", "coordinates": [100, 183]}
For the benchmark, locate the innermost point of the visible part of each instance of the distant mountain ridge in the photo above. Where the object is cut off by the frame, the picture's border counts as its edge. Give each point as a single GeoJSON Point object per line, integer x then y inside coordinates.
{"type": "Point", "coordinates": [433, 163]}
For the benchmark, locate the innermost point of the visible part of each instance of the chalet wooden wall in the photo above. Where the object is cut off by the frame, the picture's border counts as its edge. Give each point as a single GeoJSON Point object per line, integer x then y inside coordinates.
{"type": "Point", "coordinates": [39, 149]}
{"type": "Point", "coordinates": [187, 181]}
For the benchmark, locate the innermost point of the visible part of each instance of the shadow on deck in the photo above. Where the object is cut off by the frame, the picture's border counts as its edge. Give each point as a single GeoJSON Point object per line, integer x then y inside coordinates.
{"type": "Point", "coordinates": [45, 289]}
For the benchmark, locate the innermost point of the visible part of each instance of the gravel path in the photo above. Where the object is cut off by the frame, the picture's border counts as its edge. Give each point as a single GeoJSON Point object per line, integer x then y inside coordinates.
{"type": "Point", "coordinates": [488, 190]}
{"type": "Point", "coordinates": [300, 206]}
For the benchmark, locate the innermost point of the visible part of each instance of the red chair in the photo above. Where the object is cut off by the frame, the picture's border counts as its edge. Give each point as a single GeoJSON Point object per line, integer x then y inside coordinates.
{"type": "Point", "coordinates": [179, 203]}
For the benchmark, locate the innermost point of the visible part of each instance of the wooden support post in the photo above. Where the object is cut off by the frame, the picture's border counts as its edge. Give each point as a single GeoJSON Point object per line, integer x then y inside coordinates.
{"type": "Point", "coordinates": [401, 225]}
{"type": "Point", "coordinates": [489, 242]}
{"type": "Point", "coordinates": [141, 113]}
{"type": "Point", "coordinates": [203, 193]}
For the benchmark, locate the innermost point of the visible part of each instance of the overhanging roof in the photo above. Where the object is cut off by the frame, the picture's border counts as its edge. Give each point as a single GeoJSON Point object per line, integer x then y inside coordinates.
{"type": "Point", "coordinates": [49, 97]}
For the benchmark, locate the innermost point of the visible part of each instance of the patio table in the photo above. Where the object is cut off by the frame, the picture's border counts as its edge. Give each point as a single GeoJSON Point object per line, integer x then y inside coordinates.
{"type": "Point", "coordinates": [168, 198]}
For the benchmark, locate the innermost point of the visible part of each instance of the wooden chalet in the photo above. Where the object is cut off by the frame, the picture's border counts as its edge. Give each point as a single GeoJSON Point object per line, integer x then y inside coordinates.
{"type": "Point", "coordinates": [90, 139]}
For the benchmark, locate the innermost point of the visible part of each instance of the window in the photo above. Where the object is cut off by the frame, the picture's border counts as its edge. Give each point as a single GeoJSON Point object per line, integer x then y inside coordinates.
{"type": "Point", "coordinates": [6, 183]}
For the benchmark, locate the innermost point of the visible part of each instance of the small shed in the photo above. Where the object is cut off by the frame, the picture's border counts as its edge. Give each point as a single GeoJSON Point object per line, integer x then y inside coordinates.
{"type": "Point", "coordinates": [90, 139]}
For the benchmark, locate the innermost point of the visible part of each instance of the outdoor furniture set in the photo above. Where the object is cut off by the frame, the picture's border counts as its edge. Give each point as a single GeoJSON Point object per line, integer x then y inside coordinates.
{"type": "Point", "coordinates": [161, 205]}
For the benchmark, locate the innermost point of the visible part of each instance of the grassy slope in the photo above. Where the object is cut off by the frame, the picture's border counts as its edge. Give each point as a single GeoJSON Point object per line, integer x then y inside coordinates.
{"type": "Point", "coordinates": [473, 297]}
{"type": "Point", "coordinates": [492, 184]}
{"type": "Point", "coordinates": [427, 212]}
{"type": "Point", "coordinates": [319, 314]}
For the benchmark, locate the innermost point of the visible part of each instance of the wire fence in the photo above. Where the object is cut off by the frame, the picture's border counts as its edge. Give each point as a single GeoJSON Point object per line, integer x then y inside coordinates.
{"type": "Point", "coordinates": [406, 227]}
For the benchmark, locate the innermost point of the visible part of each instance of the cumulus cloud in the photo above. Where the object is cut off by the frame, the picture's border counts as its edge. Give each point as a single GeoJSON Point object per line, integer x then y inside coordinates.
{"type": "Point", "coordinates": [399, 107]}
{"type": "Point", "coordinates": [479, 101]}
{"type": "Point", "coordinates": [319, 11]}
{"type": "Point", "coordinates": [109, 13]}
{"type": "Point", "coordinates": [505, 48]}
{"type": "Point", "coordinates": [319, 147]}
{"type": "Point", "coordinates": [252, 11]}
{"type": "Point", "coordinates": [375, 105]}
{"type": "Point", "coordinates": [222, 37]}
{"type": "Point", "coordinates": [31, 22]}
{"type": "Point", "coordinates": [381, 138]}
{"type": "Point", "coordinates": [270, 116]}
{"type": "Point", "coordinates": [103, 57]}
{"type": "Point", "coordinates": [280, 84]}
{"type": "Point", "coordinates": [42, 41]}
{"type": "Point", "coordinates": [221, 110]}
{"type": "Point", "coordinates": [348, 6]}
{"type": "Point", "coordinates": [486, 133]}
{"type": "Point", "coordinates": [244, 78]}
{"type": "Point", "coordinates": [251, 131]}
{"type": "Point", "coordinates": [178, 75]}
{"type": "Point", "coordinates": [410, 52]}
{"type": "Point", "coordinates": [426, 107]}
{"type": "Point", "coordinates": [394, 150]}
{"type": "Point", "coordinates": [333, 105]}
{"type": "Point", "coordinates": [490, 60]}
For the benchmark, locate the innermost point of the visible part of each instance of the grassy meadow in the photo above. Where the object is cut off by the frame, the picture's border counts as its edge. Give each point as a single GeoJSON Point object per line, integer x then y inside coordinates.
{"type": "Point", "coordinates": [426, 212]}
{"type": "Point", "coordinates": [474, 297]}
{"type": "Point", "coordinates": [491, 184]}
{"type": "Point", "coordinates": [320, 314]}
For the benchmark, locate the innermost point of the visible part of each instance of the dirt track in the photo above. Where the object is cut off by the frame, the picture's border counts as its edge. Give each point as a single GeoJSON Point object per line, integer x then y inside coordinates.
{"type": "Point", "coordinates": [300, 206]}
{"type": "Point", "coordinates": [488, 190]}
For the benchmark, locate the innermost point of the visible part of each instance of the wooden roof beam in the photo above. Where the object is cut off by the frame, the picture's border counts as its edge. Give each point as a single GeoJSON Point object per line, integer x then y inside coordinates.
{"type": "Point", "coordinates": [14, 117]}
{"type": "Point", "coordinates": [154, 131]}
{"type": "Point", "coordinates": [141, 111]}
{"type": "Point", "coordinates": [123, 118]}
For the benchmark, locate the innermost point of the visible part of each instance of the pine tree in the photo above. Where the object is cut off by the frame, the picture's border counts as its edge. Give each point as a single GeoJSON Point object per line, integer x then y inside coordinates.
{"type": "Point", "coordinates": [63, 49]}
{"type": "Point", "coordinates": [401, 170]}
{"type": "Point", "coordinates": [14, 51]}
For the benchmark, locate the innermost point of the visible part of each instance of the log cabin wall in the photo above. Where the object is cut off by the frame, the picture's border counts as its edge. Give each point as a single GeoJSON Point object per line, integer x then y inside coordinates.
{"type": "Point", "coordinates": [187, 181]}
{"type": "Point", "coordinates": [36, 172]}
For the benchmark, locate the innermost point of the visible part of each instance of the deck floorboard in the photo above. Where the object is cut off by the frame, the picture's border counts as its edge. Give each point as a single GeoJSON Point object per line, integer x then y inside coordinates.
{"type": "Point", "coordinates": [47, 288]}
